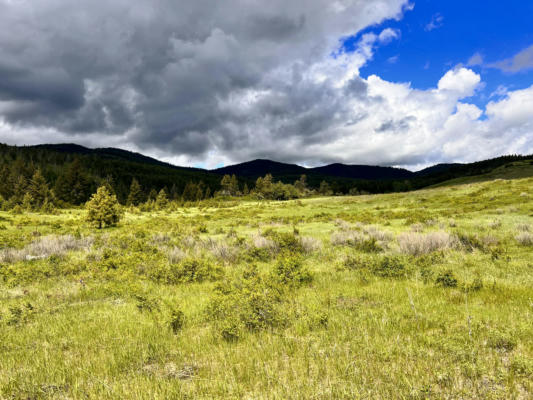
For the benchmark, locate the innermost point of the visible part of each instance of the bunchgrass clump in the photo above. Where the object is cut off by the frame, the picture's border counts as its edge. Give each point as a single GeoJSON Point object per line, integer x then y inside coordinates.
{"type": "Point", "coordinates": [417, 244]}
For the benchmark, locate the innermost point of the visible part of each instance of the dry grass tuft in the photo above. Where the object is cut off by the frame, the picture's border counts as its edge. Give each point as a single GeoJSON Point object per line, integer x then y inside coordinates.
{"type": "Point", "coordinates": [310, 244]}
{"type": "Point", "coordinates": [525, 238]}
{"type": "Point", "coordinates": [417, 244]}
{"type": "Point", "coordinates": [344, 238]}
{"type": "Point", "coordinates": [261, 242]}
{"type": "Point", "coordinates": [375, 233]}
{"type": "Point", "coordinates": [176, 255]}
{"type": "Point", "coordinates": [46, 247]}
{"type": "Point", "coordinates": [495, 224]}
{"type": "Point", "coordinates": [221, 250]}
{"type": "Point", "coordinates": [523, 227]}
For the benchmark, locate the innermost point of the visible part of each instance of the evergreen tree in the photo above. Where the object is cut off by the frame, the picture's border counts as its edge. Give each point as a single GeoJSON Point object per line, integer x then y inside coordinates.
{"type": "Point", "coordinates": [174, 192]}
{"type": "Point", "coordinates": [73, 186]}
{"type": "Point", "coordinates": [108, 182]}
{"type": "Point", "coordinates": [161, 201]}
{"type": "Point", "coordinates": [38, 189]}
{"type": "Point", "coordinates": [245, 191]}
{"type": "Point", "coordinates": [27, 202]}
{"type": "Point", "coordinates": [225, 185]}
{"type": "Point", "coordinates": [234, 186]}
{"type": "Point", "coordinates": [19, 189]}
{"type": "Point", "coordinates": [301, 184]}
{"type": "Point", "coordinates": [152, 195]}
{"type": "Point", "coordinates": [136, 196]}
{"type": "Point", "coordinates": [103, 209]}
{"type": "Point", "coordinates": [324, 189]}
{"type": "Point", "coordinates": [190, 192]}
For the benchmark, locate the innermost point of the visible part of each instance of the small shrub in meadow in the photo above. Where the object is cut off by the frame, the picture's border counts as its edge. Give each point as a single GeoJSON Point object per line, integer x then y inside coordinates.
{"type": "Point", "coordinates": [475, 285]}
{"type": "Point", "coordinates": [525, 238]}
{"type": "Point", "coordinates": [446, 279]}
{"type": "Point", "coordinates": [289, 270]}
{"type": "Point", "coordinates": [177, 320]}
{"type": "Point", "coordinates": [375, 233]}
{"type": "Point", "coordinates": [176, 255]}
{"type": "Point", "coordinates": [522, 227]}
{"type": "Point", "coordinates": [310, 244]}
{"type": "Point", "coordinates": [503, 341]}
{"type": "Point", "coordinates": [285, 241]}
{"type": "Point", "coordinates": [417, 244]}
{"type": "Point", "coordinates": [358, 262]}
{"type": "Point", "coordinates": [146, 303]}
{"type": "Point", "coordinates": [45, 247]}
{"type": "Point", "coordinates": [391, 267]}
{"type": "Point", "coordinates": [470, 242]}
{"type": "Point", "coordinates": [250, 303]}
{"type": "Point", "coordinates": [262, 242]}
{"type": "Point", "coordinates": [194, 270]}
{"type": "Point", "coordinates": [347, 238]}
{"type": "Point", "coordinates": [522, 366]}
{"type": "Point", "coordinates": [495, 224]}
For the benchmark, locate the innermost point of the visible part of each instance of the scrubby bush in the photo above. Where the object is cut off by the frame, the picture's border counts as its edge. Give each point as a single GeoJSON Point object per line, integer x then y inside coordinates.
{"type": "Point", "coordinates": [310, 244]}
{"type": "Point", "coordinates": [177, 320]}
{"type": "Point", "coordinates": [45, 247]}
{"type": "Point", "coordinates": [391, 267]}
{"type": "Point", "coordinates": [285, 241]}
{"type": "Point", "coordinates": [525, 238]}
{"type": "Point", "coordinates": [194, 270]}
{"type": "Point", "coordinates": [470, 242]}
{"type": "Point", "coordinates": [503, 341]}
{"type": "Point", "coordinates": [417, 244]}
{"type": "Point", "coordinates": [347, 238]}
{"type": "Point", "coordinates": [250, 303]}
{"type": "Point", "coordinates": [358, 262]}
{"type": "Point", "coordinates": [446, 279]}
{"type": "Point", "coordinates": [289, 270]}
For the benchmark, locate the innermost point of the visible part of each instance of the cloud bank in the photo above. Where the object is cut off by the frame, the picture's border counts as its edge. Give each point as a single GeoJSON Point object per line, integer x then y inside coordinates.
{"type": "Point", "coordinates": [203, 82]}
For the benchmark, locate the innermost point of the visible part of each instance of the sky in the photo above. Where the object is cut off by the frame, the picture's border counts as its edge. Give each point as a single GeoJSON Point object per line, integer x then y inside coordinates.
{"type": "Point", "coordinates": [208, 83]}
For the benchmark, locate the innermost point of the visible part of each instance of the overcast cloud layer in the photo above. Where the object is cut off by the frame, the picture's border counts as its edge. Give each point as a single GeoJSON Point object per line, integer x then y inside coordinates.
{"type": "Point", "coordinates": [202, 81]}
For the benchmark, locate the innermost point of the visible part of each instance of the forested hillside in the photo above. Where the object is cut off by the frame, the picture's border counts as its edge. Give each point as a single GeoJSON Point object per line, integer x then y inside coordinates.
{"type": "Point", "coordinates": [67, 174]}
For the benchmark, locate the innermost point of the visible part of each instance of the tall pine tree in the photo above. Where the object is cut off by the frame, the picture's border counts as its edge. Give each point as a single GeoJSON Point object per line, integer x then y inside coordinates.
{"type": "Point", "coordinates": [136, 196]}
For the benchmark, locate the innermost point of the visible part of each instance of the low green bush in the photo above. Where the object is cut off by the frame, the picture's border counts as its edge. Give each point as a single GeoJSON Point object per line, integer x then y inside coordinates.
{"type": "Point", "coordinates": [446, 279]}
{"type": "Point", "coordinates": [289, 270]}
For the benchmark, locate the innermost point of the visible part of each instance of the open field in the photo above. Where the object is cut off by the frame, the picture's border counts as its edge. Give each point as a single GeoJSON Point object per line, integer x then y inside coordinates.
{"type": "Point", "coordinates": [419, 295]}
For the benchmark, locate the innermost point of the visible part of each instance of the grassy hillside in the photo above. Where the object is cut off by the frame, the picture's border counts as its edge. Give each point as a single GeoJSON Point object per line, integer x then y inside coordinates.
{"type": "Point", "coordinates": [513, 170]}
{"type": "Point", "coordinates": [400, 296]}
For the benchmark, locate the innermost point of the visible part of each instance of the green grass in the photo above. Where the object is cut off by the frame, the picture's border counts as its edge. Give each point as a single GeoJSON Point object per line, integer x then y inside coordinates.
{"type": "Point", "coordinates": [311, 320]}
{"type": "Point", "coordinates": [514, 170]}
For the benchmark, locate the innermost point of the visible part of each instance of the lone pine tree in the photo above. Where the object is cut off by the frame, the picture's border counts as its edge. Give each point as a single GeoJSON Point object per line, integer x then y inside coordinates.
{"type": "Point", "coordinates": [103, 209]}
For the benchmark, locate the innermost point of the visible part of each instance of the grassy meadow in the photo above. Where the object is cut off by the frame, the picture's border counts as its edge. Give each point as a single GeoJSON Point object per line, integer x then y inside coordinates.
{"type": "Point", "coordinates": [417, 295]}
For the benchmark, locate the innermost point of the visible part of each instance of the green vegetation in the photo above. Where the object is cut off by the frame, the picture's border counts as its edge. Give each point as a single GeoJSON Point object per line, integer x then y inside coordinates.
{"type": "Point", "coordinates": [103, 209]}
{"type": "Point", "coordinates": [416, 295]}
{"type": "Point", "coordinates": [46, 177]}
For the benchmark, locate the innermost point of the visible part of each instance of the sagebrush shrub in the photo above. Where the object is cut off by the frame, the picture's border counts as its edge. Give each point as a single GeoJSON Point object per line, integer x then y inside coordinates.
{"type": "Point", "coordinates": [525, 238]}
{"type": "Point", "coordinates": [45, 247]}
{"type": "Point", "coordinates": [417, 244]}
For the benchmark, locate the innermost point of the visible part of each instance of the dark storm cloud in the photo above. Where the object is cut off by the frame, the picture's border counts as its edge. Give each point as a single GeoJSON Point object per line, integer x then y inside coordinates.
{"type": "Point", "coordinates": [184, 78]}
